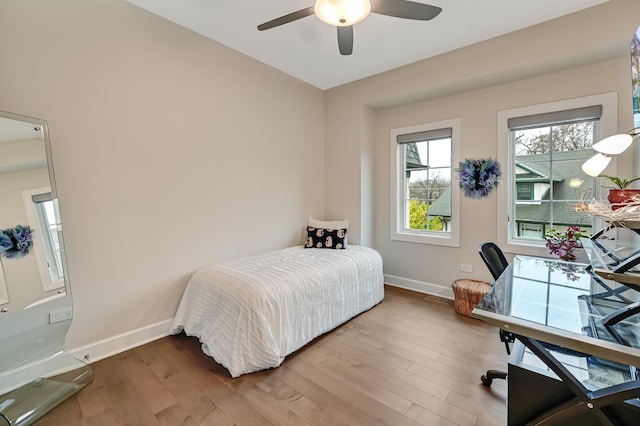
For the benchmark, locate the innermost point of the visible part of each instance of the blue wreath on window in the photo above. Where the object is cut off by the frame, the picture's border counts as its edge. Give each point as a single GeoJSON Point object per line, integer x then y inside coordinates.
{"type": "Point", "coordinates": [16, 242]}
{"type": "Point", "coordinates": [478, 177]}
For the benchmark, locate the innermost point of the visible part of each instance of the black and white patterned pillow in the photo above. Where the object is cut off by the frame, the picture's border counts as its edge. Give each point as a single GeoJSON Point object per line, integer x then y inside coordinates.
{"type": "Point", "coordinates": [326, 238]}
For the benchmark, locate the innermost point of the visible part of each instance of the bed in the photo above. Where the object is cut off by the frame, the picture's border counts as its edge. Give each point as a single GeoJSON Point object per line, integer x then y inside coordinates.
{"type": "Point", "coordinates": [250, 313]}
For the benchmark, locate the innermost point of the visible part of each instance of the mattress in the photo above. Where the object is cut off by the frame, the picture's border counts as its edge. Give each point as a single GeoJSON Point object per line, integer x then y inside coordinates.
{"type": "Point", "coordinates": [250, 313]}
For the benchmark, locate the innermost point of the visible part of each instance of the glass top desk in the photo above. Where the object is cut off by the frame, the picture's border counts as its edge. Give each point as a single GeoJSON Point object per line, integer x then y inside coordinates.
{"type": "Point", "coordinates": [556, 309]}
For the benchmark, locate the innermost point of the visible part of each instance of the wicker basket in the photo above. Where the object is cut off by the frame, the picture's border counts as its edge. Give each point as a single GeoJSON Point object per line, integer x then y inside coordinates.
{"type": "Point", "coordinates": [467, 294]}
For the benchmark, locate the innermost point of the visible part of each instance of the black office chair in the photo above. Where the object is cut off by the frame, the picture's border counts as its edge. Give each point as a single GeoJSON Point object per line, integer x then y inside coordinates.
{"type": "Point", "coordinates": [493, 258]}
{"type": "Point", "coordinates": [497, 263]}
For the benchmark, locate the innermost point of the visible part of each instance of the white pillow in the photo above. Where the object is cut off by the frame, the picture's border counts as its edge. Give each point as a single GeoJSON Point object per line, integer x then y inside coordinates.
{"type": "Point", "coordinates": [328, 224]}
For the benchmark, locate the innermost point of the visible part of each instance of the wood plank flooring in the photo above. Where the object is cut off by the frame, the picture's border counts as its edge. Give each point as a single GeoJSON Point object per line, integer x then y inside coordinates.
{"type": "Point", "coordinates": [411, 360]}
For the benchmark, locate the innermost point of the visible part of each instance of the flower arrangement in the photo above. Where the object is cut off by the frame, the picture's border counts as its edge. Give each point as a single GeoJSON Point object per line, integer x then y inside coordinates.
{"type": "Point", "coordinates": [571, 270]}
{"type": "Point", "coordinates": [478, 177]}
{"type": "Point", "coordinates": [16, 242]}
{"type": "Point", "coordinates": [562, 244]}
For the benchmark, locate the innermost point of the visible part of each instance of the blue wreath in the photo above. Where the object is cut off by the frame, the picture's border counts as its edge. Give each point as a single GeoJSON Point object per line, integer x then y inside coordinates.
{"type": "Point", "coordinates": [16, 242]}
{"type": "Point", "coordinates": [478, 177]}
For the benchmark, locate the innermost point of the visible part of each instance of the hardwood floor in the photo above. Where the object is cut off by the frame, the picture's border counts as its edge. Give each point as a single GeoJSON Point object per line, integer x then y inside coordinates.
{"type": "Point", "coordinates": [410, 360]}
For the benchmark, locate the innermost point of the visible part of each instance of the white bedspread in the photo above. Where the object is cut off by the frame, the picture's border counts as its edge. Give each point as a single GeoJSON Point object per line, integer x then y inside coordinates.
{"type": "Point", "coordinates": [250, 313]}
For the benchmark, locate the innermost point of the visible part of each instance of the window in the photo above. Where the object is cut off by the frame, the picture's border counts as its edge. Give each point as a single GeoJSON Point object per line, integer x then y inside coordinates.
{"type": "Point", "coordinates": [424, 203]}
{"type": "Point", "coordinates": [543, 148]}
{"type": "Point", "coordinates": [46, 216]}
{"type": "Point", "coordinates": [547, 153]}
{"type": "Point", "coordinates": [530, 230]}
{"type": "Point", "coordinates": [524, 191]}
{"type": "Point", "coordinates": [43, 218]}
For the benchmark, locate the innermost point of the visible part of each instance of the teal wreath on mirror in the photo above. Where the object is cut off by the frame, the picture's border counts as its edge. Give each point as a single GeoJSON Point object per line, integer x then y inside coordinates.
{"type": "Point", "coordinates": [16, 242]}
{"type": "Point", "coordinates": [478, 177]}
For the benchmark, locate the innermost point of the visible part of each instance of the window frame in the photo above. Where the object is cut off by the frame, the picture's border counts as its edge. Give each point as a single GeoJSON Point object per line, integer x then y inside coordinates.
{"type": "Point", "coordinates": [396, 199]}
{"type": "Point", "coordinates": [608, 125]}
{"type": "Point", "coordinates": [4, 292]}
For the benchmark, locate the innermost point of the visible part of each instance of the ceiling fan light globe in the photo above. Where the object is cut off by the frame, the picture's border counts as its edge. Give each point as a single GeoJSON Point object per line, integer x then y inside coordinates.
{"type": "Point", "coordinates": [342, 13]}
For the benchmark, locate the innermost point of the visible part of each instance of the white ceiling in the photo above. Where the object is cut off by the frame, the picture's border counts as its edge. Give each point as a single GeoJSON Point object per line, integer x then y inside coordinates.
{"type": "Point", "coordinates": [308, 48]}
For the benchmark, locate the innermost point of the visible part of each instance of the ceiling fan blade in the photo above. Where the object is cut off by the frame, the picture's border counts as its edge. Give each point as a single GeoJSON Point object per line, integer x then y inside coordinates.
{"type": "Point", "coordinates": [345, 40]}
{"type": "Point", "coordinates": [405, 9]}
{"type": "Point", "coordinates": [294, 16]}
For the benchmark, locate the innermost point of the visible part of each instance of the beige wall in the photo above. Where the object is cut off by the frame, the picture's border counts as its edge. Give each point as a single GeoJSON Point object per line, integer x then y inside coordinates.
{"type": "Point", "coordinates": [170, 151]}
{"type": "Point", "coordinates": [578, 55]}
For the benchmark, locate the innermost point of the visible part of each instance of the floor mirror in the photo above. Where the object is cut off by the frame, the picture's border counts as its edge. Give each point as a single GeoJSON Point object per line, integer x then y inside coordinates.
{"type": "Point", "coordinates": [36, 371]}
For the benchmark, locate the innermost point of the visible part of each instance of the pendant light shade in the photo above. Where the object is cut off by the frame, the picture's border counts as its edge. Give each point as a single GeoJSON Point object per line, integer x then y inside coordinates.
{"type": "Point", "coordinates": [614, 145]}
{"type": "Point", "coordinates": [342, 13]}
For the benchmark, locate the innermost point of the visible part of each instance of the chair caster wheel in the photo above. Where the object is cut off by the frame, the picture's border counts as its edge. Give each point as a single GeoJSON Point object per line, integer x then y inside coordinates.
{"type": "Point", "coordinates": [486, 381]}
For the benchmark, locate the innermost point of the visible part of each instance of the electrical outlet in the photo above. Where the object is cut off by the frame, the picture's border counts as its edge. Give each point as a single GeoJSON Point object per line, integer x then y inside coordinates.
{"type": "Point", "coordinates": [466, 268]}
{"type": "Point", "coordinates": [60, 315]}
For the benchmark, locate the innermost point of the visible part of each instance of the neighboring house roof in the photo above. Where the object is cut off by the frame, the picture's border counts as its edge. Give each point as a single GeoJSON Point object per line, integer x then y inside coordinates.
{"type": "Point", "coordinates": [413, 157]}
{"type": "Point", "coordinates": [567, 166]}
{"type": "Point", "coordinates": [442, 206]}
{"type": "Point", "coordinates": [536, 172]}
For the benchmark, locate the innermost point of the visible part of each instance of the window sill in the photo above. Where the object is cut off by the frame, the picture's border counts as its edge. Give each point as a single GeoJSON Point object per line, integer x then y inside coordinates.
{"type": "Point", "coordinates": [444, 239]}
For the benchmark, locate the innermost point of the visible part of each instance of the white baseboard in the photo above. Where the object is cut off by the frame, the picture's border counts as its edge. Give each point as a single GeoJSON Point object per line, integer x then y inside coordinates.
{"type": "Point", "coordinates": [114, 345]}
{"type": "Point", "coordinates": [419, 286]}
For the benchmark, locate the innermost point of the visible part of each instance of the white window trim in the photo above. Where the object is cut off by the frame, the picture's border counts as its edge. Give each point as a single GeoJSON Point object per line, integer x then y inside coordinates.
{"type": "Point", "coordinates": [450, 239]}
{"type": "Point", "coordinates": [48, 284]}
{"type": "Point", "coordinates": [608, 127]}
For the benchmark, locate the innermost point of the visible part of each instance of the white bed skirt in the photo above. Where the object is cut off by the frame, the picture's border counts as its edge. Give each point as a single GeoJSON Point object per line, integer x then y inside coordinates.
{"type": "Point", "coordinates": [251, 312]}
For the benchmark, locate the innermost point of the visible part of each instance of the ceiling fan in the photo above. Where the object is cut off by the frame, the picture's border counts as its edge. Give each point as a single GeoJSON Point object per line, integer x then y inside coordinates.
{"type": "Point", "coordinates": [344, 13]}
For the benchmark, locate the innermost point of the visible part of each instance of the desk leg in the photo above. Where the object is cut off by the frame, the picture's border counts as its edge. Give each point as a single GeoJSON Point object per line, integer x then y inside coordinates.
{"type": "Point", "coordinates": [596, 402]}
